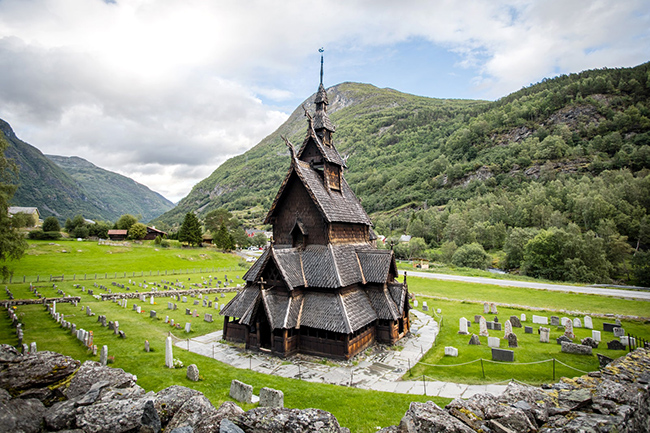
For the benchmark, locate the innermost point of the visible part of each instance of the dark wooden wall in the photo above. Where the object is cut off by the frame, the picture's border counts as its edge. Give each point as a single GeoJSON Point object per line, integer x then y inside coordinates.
{"type": "Point", "coordinates": [342, 233]}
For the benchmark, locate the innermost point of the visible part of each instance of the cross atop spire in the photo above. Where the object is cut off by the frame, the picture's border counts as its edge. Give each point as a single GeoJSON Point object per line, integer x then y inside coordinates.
{"type": "Point", "coordinates": [320, 50]}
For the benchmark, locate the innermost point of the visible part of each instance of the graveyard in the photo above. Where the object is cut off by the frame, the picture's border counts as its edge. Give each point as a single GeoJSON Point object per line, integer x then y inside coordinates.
{"type": "Point", "coordinates": [128, 297]}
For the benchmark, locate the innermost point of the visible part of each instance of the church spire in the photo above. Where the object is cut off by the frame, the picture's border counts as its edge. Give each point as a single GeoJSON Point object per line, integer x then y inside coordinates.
{"type": "Point", "coordinates": [322, 124]}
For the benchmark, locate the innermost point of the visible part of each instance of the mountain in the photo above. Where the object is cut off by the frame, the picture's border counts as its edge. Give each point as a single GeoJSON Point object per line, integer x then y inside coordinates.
{"type": "Point", "coordinates": [65, 187]}
{"type": "Point", "coordinates": [120, 194]}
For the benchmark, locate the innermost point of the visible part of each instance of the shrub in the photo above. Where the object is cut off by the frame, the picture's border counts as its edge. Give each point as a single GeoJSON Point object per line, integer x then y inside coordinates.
{"type": "Point", "coordinates": [44, 236]}
{"type": "Point", "coordinates": [471, 256]}
{"type": "Point", "coordinates": [51, 224]}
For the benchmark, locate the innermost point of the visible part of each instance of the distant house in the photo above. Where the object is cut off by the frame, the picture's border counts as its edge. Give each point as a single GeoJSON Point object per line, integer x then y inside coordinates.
{"type": "Point", "coordinates": [117, 235]}
{"type": "Point", "coordinates": [33, 211]}
{"type": "Point", "coordinates": [206, 238]}
{"type": "Point", "coordinates": [153, 232]}
{"type": "Point", "coordinates": [405, 238]}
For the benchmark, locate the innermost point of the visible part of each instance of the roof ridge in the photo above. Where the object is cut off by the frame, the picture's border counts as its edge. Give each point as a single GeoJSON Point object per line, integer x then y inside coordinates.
{"type": "Point", "coordinates": [339, 296]}
{"type": "Point", "coordinates": [336, 267]}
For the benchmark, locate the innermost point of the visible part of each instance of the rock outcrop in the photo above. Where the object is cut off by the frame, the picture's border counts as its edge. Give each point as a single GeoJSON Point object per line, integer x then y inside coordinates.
{"type": "Point", "coordinates": [49, 392]}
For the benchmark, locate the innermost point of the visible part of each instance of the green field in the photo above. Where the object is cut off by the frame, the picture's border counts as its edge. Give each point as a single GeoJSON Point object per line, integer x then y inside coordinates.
{"type": "Point", "coordinates": [360, 410]}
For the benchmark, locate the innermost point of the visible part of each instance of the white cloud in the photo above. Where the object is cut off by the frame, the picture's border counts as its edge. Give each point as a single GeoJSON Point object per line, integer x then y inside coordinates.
{"type": "Point", "coordinates": [165, 90]}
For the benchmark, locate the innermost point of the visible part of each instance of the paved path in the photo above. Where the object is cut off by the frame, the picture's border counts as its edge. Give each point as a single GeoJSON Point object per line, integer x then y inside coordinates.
{"type": "Point", "coordinates": [632, 294]}
{"type": "Point", "coordinates": [380, 371]}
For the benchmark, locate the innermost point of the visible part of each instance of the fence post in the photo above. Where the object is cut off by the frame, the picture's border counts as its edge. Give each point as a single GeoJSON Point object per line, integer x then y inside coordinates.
{"type": "Point", "coordinates": [482, 369]}
{"type": "Point", "coordinates": [629, 343]}
{"type": "Point", "coordinates": [409, 361]}
{"type": "Point", "coordinates": [553, 369]}
{"type": "Point", "coordinates": [424, 381]}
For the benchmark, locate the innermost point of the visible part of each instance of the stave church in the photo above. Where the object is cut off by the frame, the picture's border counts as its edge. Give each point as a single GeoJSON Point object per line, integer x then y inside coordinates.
{"type": "Point", "coordinates": [322, 287]}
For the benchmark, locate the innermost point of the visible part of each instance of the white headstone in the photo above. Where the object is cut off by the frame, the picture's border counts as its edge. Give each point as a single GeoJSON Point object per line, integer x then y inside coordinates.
{"type": "Point", "coordinates": [493, 308]}
{"type": "Point", "coordinates": [138, 309]}
{"type": "Point", "coordinates": [589, 323]}
{"type": "Point", "coordinates": [523, 317]}
{"type": "Point", "coordinates": [103, 356]}
{"type": "Point", "coordinates": [451, 351]}
{"type": "Point", "coordinates": [568, 329]}
{"type": "Point", "coordinates": [494, 341]}
{"type": "Point", "coordinates": [188, 327]}
{"type": "Point", "coordinates": [151, 301]}
{"type": "Point", "coordinates": [169, 355]}
{"type": "Point", "coordinates": [482, 327]}
{"type": "Point", "coordinates": [541, 320]}
{"type": "Point", "coordinates": [595, 335]}
{"type": "Point", "coordinates": [462, 325]}
{"type": "Point", "coordinates": [425, 306]}
{"type": "Point", "coordinates": [486, 308]}
{"type": "Point", "coordinates": [53, 307]}
{"type": "Point", "coordinates": [564, 321]}
{"type": "Point", "coordinates": [32, 347]}
{"type": "Point", "coordinates": [544, 335]}
{"type": "Point", "coordinates": [507, 328]}
{"type": "Point", "coordinates": [577, 323]}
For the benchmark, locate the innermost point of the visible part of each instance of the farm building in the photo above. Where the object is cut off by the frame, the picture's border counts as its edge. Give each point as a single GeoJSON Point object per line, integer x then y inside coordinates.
{"type": "Point", "coordinates": [321, 287]}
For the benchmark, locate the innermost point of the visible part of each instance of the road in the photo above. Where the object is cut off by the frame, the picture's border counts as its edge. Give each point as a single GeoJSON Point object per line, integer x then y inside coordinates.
{"type": "Point", "coordinates": [619, 293]}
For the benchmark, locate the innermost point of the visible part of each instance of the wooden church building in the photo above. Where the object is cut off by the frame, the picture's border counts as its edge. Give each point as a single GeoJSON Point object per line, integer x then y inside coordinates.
{"type": "Point", "coordinates": [322, 287]}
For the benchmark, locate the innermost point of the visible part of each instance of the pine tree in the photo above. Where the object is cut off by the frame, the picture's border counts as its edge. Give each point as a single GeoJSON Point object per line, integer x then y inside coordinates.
{"type": "Point", "coordinates": [190, 231]}
{"type": "Point", "coordinates": [12, 243]}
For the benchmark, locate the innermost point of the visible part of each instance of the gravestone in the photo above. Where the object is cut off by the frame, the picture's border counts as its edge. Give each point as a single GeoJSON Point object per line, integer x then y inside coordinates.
{"type": "Point", "coordinates": [493, 308]}
{"type": "Point", "coordinates": [184, 298]}
{"type": "Point", "coordinates": [617, 322]}
{"type": "Point", "coordinates": [193, 372]}
{"type": "Point", "coordinates": [576, 349]}
{"type": "Point", "coordinates": [175, 306]}
{"type": "Point", "coordinates": [271, 398]}
{"type": "Point", "coordinates": [194, 313]}
{"type": "Point", "coordinates": [595, 335]}
{"type": "Point", "coordinates": [474, 340]}
{"type": "Point", "coordinates": [496, 319]}
{"type": "Point", "coordinates": [515, 322]}
{"type": "Point", "coordinates": [494, 342]}
{"type": "Point", "coordinates": [208, 317]}
{"type": "Point", "coordinates": [497, 326]}
{"type": "Point", "coordinates": [196, 302]}
{"type": "Point", "coordinates": [490, 325]}
{"type": "Point", "coordinates": [577, 323]}
{"type": "Point", "coordinates": [121, 334]}
{"type": "Point", "coordinates": [151, 301]}
{"type": "Point", "coordinates": [540, 320]}
{"type": "Point", "coordinates": [588, 341]}
{"type": "Point", "coordinates": [555, 321]}
{"type": "Point", "coordinates": [609, 327]}
{"type": "Point", "coordinates": [563, 338]}
{"type": "Point", "coordinates": [116, 327]}
{"type": "Point", "coordinates": [483, 330]}
{"type": "Point", "coordinates": [170, 306]}
{"type": "Point", "coordinates": [619, 332]}
{"type": "Point", "coordinates": [223, 295]}
{"type": "Point", "coordinates": [188, 312]}
{"type": "Point", "coordinates": [425, 307]}
{"type": "Point", "coordinates": [103, 356]}
{"type": "Point", "coordinates": [508, 329]}
{"type": "Point", "coordinates": [512, 340]}
{"type": "Point", "coordinates": [568, 329]}
{"type": "Point", "coordinates": [138, 309]}
{"type": "Point", "coordinates": [415, 303]}
{"type": "Point", "coordinates": [152, 314]}
{"type": "Point", "coordinates": [477, 318]}
{"type": "Point", "coordinates": [523, 317]}
{"type": "Point", "coordinates": [451, 351]}
{"type": "Point", "coordinates": [486, 308]}
{"type": "Point", "coordinates": [32, 347]}
{"type": "Point", "coordinates": [628, 340]}
{"type": "Point", "coordinates": [241, 391]}
{"type": "Point", "coordinates": [166, 319]}
{"type": "Point", "coordinates": [544, 334]}
{"type": "Point", "coordinates": [615, 345]}
{"type": "Point", "coordinates": [171, 322]}
{"type": "Point", "coordinates": [528, 329]}
{"type": "Point", "coordinates": [146, 346]}
{"type": "Point", "coordinates": [462, 326]}
{"type": "Point", "coordinates": [503, 355]}
{"type": "Point", "coordinates": [169, 355]}
{"type": "Point", "coordinates": [589, 323]}
{"type": "Point", "coordinates": [564, 321]}
{"type": "Point", "coordinates": [188, 327]}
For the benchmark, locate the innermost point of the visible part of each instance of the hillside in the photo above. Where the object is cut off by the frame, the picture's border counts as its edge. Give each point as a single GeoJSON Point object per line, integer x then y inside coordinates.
{"type": "Point", "coordinates": [76, 187]}
{"type": "Point", "coordinates": [120, 194]}
{"type": "Point", "coordinates": [567, 159]}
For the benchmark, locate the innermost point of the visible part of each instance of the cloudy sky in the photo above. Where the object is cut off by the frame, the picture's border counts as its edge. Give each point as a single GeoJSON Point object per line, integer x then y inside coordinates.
{"type": "Point", "coordinates": [164, 91]}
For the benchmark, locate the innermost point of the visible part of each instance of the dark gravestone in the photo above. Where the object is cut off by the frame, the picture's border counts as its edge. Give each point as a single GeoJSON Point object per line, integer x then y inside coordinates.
{"type": "Point", "coordinates": [609, 327]}
{"type": "Point", "coordinates": [490, 325]}
{"type": "Point", "coordinates": [477, 318]}
{"type": "Point", "coordinates": [603, 360]}
{"type": "Point", "coordinates": [555, 321]}
{"type": "Point", "coordinates": [497, 326]}
{"type": "Point", "coordinates": [502, 355]}
{"type": "Point", "coordinates": [589, 342]}
{"type": "Point", "coordinates": [528, 329]}
{"type": "Point", "coordinates": [563, 338]}
{"type": "Point", "coordinates": [474, 341]}
{"type": "Point", "coordinates": [515, 322]}
{"type": "Point", "coordinates": [512, 340]}
{"type": "Point", "coordinates": [615, 345]}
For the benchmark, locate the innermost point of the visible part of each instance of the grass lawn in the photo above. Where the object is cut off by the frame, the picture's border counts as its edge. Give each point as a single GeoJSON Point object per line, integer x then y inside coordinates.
{"type": "Point", "coordinates": [360, 410]}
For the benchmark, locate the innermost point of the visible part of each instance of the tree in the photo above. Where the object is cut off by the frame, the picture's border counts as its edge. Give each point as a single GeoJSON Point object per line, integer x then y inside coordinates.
{"type": "Point", "coordinates": [20, 220]}
{"type": "Point", "coordinates": [126, 221]}
{"type": "Point", "coordinates": [138, 231]}
{"type": "Point", "coordinates": [416, 247]}
{"type": "Point", "coordinates": [471, 256]}
{"type": "Point", "coordinates": [515, 245]}
{"type": "Point", "coordinates": [99, 230]}
{"type": "Point", "coordinates": [259, 240]}
{"type": "Point", "coordinates": [190, 231]}
{"type": "Point", "coordinates": [12, 243]}
{"type": "Point", "coordinates": [239, 237]}
{"type": "Point", "coordinates": [215, 218]}
{"type": "Point", "coordinates": [51, 224]}
{"type": "Point", "coordinates": [222, 238]}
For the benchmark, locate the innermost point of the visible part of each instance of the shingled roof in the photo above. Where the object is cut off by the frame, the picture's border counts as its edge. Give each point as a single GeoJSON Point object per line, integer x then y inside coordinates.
{"type": "Point", "coordinates": [330, 154]}
{"type": "Point", "coordinates": [327, 266]}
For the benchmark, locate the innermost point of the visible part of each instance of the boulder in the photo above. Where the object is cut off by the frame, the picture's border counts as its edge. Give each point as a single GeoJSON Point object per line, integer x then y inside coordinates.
{"type": "Point", "coordinates": [169, 400]}
{"type": "Point", "coordinates": [588, 341]}
{"type": "Point", "coordinates": [193, 372]}
{"type": "Point", "coordinates": [195, 409]}
{"type": "Point", "coordinates": [429, 417]}
{"type": "Point", "coordinates": [212, 423]}
{"type": "Point", "coordinates": [272, 420]}
{"type": "Point", "coordinates": [92, 372]}
{"type": "Point", "coordinates": [22, 415]}
{"type": "Point", "coordinates": [228, 426]}
{"type": "Point", "coordinates": [120, 416]}
{"type": "Point", "coordinates": [19, 373]}
{"type": "Point", "coordinates": [61, 415]}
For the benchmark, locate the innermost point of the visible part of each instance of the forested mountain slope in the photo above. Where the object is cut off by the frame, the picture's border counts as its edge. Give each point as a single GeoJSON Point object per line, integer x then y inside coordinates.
{"type": "Point", "coordinates": [567, 158]}
{"type": "Point", "coordinates": [65, 187]}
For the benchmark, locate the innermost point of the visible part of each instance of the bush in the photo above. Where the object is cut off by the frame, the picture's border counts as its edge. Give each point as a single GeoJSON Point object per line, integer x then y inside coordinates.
{"type": "Point", "coordinates": [80, 232]}
{"type": "Point", "coordinates": [44, 236]}
{"type": "Point", "coordinates": [471, 256]}
{"type": "Point", "coordinates": [51, 224]}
